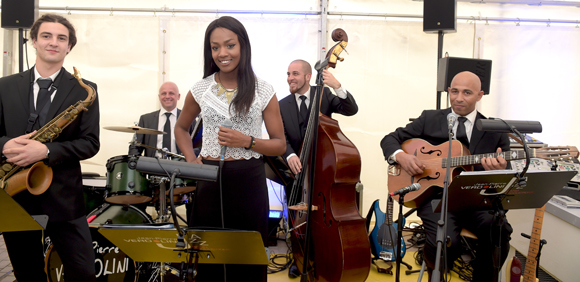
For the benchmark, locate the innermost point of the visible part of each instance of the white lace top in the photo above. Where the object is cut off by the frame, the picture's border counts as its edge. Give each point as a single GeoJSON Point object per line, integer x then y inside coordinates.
{"type": "Point", "coordinates": [215, 110]}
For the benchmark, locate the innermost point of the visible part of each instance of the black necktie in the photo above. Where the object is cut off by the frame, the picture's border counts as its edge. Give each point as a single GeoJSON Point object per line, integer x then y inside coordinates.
{"type": "Point", "coordinates": [461, 133]}
{"type": "Point", "coordinates": [303, 115]}
{"type": "Point", "coordinates": [43, 99]}
{"type": "Point", "coordinates": [303, 110]}
{"type": "Point", "coordinates": [167, 130]}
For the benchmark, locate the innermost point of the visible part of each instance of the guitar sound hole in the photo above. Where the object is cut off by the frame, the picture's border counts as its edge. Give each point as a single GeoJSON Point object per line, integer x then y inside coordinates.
{"type": "Point", "coordinates": [436, 152]}
{"type": "Point", "coordinates": [429, 178]}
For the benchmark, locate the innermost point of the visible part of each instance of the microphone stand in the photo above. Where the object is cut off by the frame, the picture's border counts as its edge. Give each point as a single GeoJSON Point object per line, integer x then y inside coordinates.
{"type": "Point", "coordinates": [442, 223]}
{"type": "Point", "coordinates": [498, 211]}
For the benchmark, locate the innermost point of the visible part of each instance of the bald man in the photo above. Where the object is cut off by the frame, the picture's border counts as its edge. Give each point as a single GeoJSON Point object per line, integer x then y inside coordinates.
{"type": "Point", "coordinates": [464, 92]}
{"type": "Point", "coordinates": [168, 97]}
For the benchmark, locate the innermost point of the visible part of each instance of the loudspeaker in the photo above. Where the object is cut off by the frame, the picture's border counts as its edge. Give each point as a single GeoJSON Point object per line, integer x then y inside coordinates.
{"type": "Point", "coordinates": [19, 13]}
{"type": "Point", "coordinates": [450, 66]}
{"type": "Point", "coordinates": [440, 15]}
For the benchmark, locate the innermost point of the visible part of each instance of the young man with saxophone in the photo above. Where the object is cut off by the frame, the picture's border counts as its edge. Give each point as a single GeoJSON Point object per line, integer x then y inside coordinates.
{"type": "Point", "coordinates": [26, 105]}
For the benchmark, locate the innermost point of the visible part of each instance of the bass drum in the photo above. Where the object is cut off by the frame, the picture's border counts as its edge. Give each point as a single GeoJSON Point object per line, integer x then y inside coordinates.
{"type": "Point", "coordinates": [111, 264]}
{"type": "Point", "coordinates": [94, 192]}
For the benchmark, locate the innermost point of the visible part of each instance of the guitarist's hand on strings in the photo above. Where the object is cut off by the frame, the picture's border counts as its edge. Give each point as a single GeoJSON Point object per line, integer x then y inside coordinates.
{"type": "Point", "coordinates": [494, 163]}
{"type": "Point", "coordinates": [411, 164]}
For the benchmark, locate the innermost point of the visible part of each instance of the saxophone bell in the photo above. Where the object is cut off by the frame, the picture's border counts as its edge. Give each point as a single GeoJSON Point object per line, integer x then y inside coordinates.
{"type": "Point", "coordinates": [35, 179]}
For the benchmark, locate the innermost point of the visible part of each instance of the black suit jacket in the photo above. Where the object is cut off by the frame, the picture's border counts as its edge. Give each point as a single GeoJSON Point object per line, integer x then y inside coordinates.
{"type": "Point", "coordinates": [432, 127]}
{"type": "Point", "coordinates": [64, 200]}
{"type": "Point", "coordinates": [330, 104]}
{"type": "Point", "coordinates": [151, 121]}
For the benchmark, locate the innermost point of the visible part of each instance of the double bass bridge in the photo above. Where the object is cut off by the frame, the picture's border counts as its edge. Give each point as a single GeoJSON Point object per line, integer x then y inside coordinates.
{"type": "Point", "coordinates": [302, 207]}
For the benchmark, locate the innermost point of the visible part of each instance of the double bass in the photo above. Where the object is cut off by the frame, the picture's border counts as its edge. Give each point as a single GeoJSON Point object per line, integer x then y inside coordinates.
{"type": "Point", "coordinates": [328, 235]}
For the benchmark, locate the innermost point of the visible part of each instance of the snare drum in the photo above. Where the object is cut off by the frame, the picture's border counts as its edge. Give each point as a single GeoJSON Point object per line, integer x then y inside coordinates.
{"type": "Point", "coordinates": [126, 185]}
{"type": "Point", "coordinates": [111, 264]}
{"type": "Point", "coordinates": [183, 186]}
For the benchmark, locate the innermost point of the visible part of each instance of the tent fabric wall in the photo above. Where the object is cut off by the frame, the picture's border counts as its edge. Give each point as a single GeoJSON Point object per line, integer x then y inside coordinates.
{"type": "Point", "coordinates": [391, 69]}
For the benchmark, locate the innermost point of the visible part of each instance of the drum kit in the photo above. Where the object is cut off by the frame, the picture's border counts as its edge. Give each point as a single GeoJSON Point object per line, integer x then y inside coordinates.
{"type": "Point", "coordinates": [122, 197]}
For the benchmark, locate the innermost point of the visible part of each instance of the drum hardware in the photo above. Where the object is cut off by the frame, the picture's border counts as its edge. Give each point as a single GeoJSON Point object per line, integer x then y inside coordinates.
{"type": "Point", "coordinates": [166, 154]}
{"type": "Point", "coordinates": [163, 214]}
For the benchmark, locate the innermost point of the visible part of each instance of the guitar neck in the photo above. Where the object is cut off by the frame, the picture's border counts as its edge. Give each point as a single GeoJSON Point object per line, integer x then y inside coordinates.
{"type": "Point", "coordinates": [535, 237]}
{"type": "Point", "coordinates": [389, 218]}
{"type": "Point", "coordinates": [476, 159]}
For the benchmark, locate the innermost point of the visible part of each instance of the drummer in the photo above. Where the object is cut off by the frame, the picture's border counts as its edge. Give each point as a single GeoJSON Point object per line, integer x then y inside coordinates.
{"type": "Point", "coordinates": [163, 120]}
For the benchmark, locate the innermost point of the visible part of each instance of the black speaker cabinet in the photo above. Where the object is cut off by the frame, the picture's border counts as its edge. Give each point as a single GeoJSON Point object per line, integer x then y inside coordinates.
{"type": "Point", "coordinates": [450, 66]}
{"type": "Point", "coordinates": [19, 13]}
{"type": "Point", "coordinates": [440, 15]}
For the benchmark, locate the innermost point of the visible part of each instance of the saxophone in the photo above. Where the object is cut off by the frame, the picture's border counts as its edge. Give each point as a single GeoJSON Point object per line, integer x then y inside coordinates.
{"type": "Point", "coordinates": [38, 178]}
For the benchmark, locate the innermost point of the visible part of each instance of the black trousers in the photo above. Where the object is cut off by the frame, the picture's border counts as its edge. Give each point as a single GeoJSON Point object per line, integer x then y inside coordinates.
{"type": "Point", "coordinates": [71, 239]}
{"type": "Point", "coordinates": [482, 224]}
{"type": "Point", "coordinates": [245, 207]}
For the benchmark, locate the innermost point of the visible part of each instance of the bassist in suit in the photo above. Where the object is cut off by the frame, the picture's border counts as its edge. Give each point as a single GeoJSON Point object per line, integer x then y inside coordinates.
{"type": "Point", "coordinates": [295, 122]}
{"type": "Point", "coordinates": [299, 74]}
{"type": "Point", "coordinates": [464, 92]}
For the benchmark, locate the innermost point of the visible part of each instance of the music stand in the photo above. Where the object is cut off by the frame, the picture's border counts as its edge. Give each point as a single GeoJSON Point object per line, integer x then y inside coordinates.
{"type": "Point", "coordinates": [150, 243]}
{"type": "Point", "coordinates": [14, 218]}
{"type": "Point", "coordinates": [501, 190]}
{"type": "Point", "coordinates": [475, 190]}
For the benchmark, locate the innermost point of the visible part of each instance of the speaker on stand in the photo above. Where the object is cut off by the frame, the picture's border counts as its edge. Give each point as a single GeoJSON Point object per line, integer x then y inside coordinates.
{"type": "Point", "coordinates": [439, 16]}
{"type": "Point", "coordinates": [19, 14]}
{"type": "Point", "coordinates": [450, 66]}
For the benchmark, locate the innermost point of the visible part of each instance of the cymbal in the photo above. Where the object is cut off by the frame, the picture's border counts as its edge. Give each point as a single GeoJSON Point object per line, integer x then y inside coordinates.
{"type": "Point", "coordinates": [90, 163]}
{"type": "Point", "coordinates": [134, 129]}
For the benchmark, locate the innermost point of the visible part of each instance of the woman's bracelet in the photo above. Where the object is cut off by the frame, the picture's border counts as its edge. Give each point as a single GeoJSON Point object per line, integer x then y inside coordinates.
{"type": "Point", "coordinates": [252, 143]}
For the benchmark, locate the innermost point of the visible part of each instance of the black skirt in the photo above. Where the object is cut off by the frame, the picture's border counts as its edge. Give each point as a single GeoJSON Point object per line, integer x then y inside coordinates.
{"type": "Point", "coordinates": [245, 207]}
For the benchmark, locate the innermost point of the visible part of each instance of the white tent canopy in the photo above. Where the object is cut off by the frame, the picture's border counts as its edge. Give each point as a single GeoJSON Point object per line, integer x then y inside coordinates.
{"type": "Point", "coordinates": [130, 47]}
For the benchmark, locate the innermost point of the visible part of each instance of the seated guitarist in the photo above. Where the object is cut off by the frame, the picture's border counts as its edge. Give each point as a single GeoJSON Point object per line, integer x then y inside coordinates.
{"type": "Point", "coordinates": [431, 126]}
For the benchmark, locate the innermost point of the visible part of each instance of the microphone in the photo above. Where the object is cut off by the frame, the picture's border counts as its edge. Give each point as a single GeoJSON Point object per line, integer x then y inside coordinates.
{"type": "Point", "coordinates": [451, 119]}
{"type": "Point", "coordinates": [227, 124]}
{"type": "Point", "coordinates": [410, 188]}
{"type": "Point", "coordinates": [498, 125]}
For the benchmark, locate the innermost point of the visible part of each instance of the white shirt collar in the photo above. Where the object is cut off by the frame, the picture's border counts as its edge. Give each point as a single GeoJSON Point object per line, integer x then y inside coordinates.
{"type": "Point", "coordinates": [470, 117]}
{"type": "Point", "coordinates": [163, 111]}
{"type": "Point", "coordinates": [307, 94]}
{"type": "Point", "coordinates": [52, 77]}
